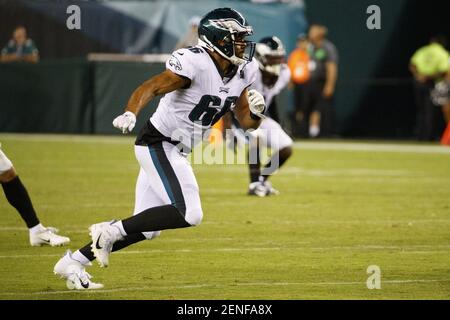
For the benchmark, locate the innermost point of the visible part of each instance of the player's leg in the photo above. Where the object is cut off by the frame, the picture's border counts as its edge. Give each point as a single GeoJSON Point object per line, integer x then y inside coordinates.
{"type": "Point", "coordinates": [281, 145]}
{"type": "Point", "coordinates": [17, 195]}
{"type": "Point", "coordinates": [71, 266]}
{"type": "Point", "coordinates": [254, 152]}
{"type": "Point", "coordinates": [174, 180]}
{"type": "Point", "coordinates": [254, 162]}
{"type": "Point", "coordinates": [145, 197]}
{"type": "Point", "coordinates": [256, 186]}
{"type": "Point", "coordinates": [171, 177]}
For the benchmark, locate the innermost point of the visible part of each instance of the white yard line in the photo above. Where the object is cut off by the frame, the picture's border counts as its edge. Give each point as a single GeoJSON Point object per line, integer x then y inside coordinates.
{"type": "Point", "coordinates": [443, 248]}
{"type": "Point", "coordinates": [372, 147]}
{"type": "Point", "coordinates": [69, 138]}
{"type": "Point", "coordinates": [306, 145]}
{"type": "Point", "coordinates": [412, 222]}
{"type": "Point", "coordinates": [289, 171]}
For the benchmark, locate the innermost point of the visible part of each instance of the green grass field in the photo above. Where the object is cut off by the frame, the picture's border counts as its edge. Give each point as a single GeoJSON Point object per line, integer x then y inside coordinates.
{"type": "Point", "coordinates": [343, 207]}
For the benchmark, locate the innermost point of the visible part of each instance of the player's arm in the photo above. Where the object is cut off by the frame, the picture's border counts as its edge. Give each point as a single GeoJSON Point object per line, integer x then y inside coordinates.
{"type": "Point", "coordinates": [248, 110]}
{"type": "Point", "coordinates": [160, 84]}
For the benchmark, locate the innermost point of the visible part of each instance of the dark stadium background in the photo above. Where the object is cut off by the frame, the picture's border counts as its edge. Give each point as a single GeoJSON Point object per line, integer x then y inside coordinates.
{"type": "Point", "coordinates": [374, 96]}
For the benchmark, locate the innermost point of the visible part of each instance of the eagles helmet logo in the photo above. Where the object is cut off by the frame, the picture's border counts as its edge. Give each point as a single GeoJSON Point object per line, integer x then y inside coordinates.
{"type": "Point", "coordinates": [231, 24]}
{"type": "Point", "coordinates": [223, 30]}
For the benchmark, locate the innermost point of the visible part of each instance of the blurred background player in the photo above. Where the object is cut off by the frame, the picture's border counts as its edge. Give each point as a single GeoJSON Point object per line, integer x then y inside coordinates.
{"type": "Point", "coordinates": [320, 87]}
{"type": "Point", "coordinates": [272, 78]}
{"type": "Point", "coordinates": [20, 48]}
{"type": "Point", "coordinates": [18, 197]}
{"type": "Point", "coordinates": [429, 65]}
{"type": "Point", "coordinates": [190, 39]}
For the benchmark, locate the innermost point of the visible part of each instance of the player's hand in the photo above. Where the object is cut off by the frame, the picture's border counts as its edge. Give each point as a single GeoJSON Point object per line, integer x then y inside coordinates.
{"type": "Point", "coordinates": [125, 122]}
{"type": "Point", "coordinates": [256, 104]}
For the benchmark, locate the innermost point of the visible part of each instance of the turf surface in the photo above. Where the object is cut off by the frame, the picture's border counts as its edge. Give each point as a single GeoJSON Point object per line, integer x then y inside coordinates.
{"type": "Point", "coordinates": [343, 207]}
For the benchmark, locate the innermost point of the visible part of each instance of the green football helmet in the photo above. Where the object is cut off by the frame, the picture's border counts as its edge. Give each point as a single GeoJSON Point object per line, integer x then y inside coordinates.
{"type": "Point", "coordinates": [224, 30]}
{"type": "Point", "coordinates": [270, 54]}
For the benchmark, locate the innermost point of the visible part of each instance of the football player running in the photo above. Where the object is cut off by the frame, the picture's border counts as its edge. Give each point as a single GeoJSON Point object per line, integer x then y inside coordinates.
{"type": "Point", "coordinates": [200, 84]}
{"type": "Point", "coordinates": [273, 76]}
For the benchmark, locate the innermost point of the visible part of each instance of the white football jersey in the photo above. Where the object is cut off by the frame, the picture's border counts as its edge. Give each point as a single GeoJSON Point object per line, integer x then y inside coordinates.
{"type": "Point", "coordinates": [270, 92]}
{"type": "Point", "coordinates": [185, 114]}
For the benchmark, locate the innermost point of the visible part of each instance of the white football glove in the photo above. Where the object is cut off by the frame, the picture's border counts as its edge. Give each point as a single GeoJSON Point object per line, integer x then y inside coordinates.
{"type": "Point", "coordinates": [125, 122]}
{"type": "Point", "coordinates": [256, 103]}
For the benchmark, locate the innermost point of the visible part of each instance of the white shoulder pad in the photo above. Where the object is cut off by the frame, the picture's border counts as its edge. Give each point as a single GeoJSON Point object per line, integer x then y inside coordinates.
{"type": "Point", "coordinates": [186, 62]}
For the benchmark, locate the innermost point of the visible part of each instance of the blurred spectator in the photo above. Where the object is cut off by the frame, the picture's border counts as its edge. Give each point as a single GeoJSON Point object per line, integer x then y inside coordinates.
{"type": "Point", "coordinates": [190, 38]}
{"type": "Point", "coordinates": [20, 48]}
{"type": "Point", "coordinates": [319, 89]}
{"type": "Point", "coordinates": [428, 65]}
{"type": "Point", "coordinates": [298, 63]}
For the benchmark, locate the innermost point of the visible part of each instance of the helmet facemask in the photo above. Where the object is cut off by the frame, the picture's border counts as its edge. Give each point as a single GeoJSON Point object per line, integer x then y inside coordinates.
{"type": "Point", "coordinates": [232, 46]}
{"type": "Point", "coordinates": [237, 49]}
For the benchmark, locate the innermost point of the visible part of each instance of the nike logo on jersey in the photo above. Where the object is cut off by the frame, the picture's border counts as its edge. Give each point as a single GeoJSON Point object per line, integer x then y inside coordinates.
{"type": "Point", "coordinates": [180, 53]}
{"type": "Point", "coordinates": [97, 244]}
{"type": "Point", "coordinates": [224, 90]}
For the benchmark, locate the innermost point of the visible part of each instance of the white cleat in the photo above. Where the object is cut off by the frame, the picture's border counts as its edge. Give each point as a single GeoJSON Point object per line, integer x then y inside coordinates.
{"type": "Point", "coordinates": [257, 189]}
{"type": "Point", "coordinates": [270, 190]}
{"type": "Point", "coordinates": [74, 273]}
{"type": "Point", "coordinates": [48, 236]}
{"type": "Point", "coordinates": [103, 237]}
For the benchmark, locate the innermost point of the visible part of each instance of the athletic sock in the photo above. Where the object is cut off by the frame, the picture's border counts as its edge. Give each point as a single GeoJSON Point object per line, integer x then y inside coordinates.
{"type": "Point", "coordinates": [18, 197]}
{"type": "Point", "coordinates": [37, 229]}
{"type": "Point", "coordinates": [255, 172]}
{"type": "Point", "coordinates": [277, 157]}
{"type": "Point", "coordinates": [85, 254]}
{"type": "Point", "coordinates": [119, 225]}
{"type": "Point", "coordinates": [255, 168]}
